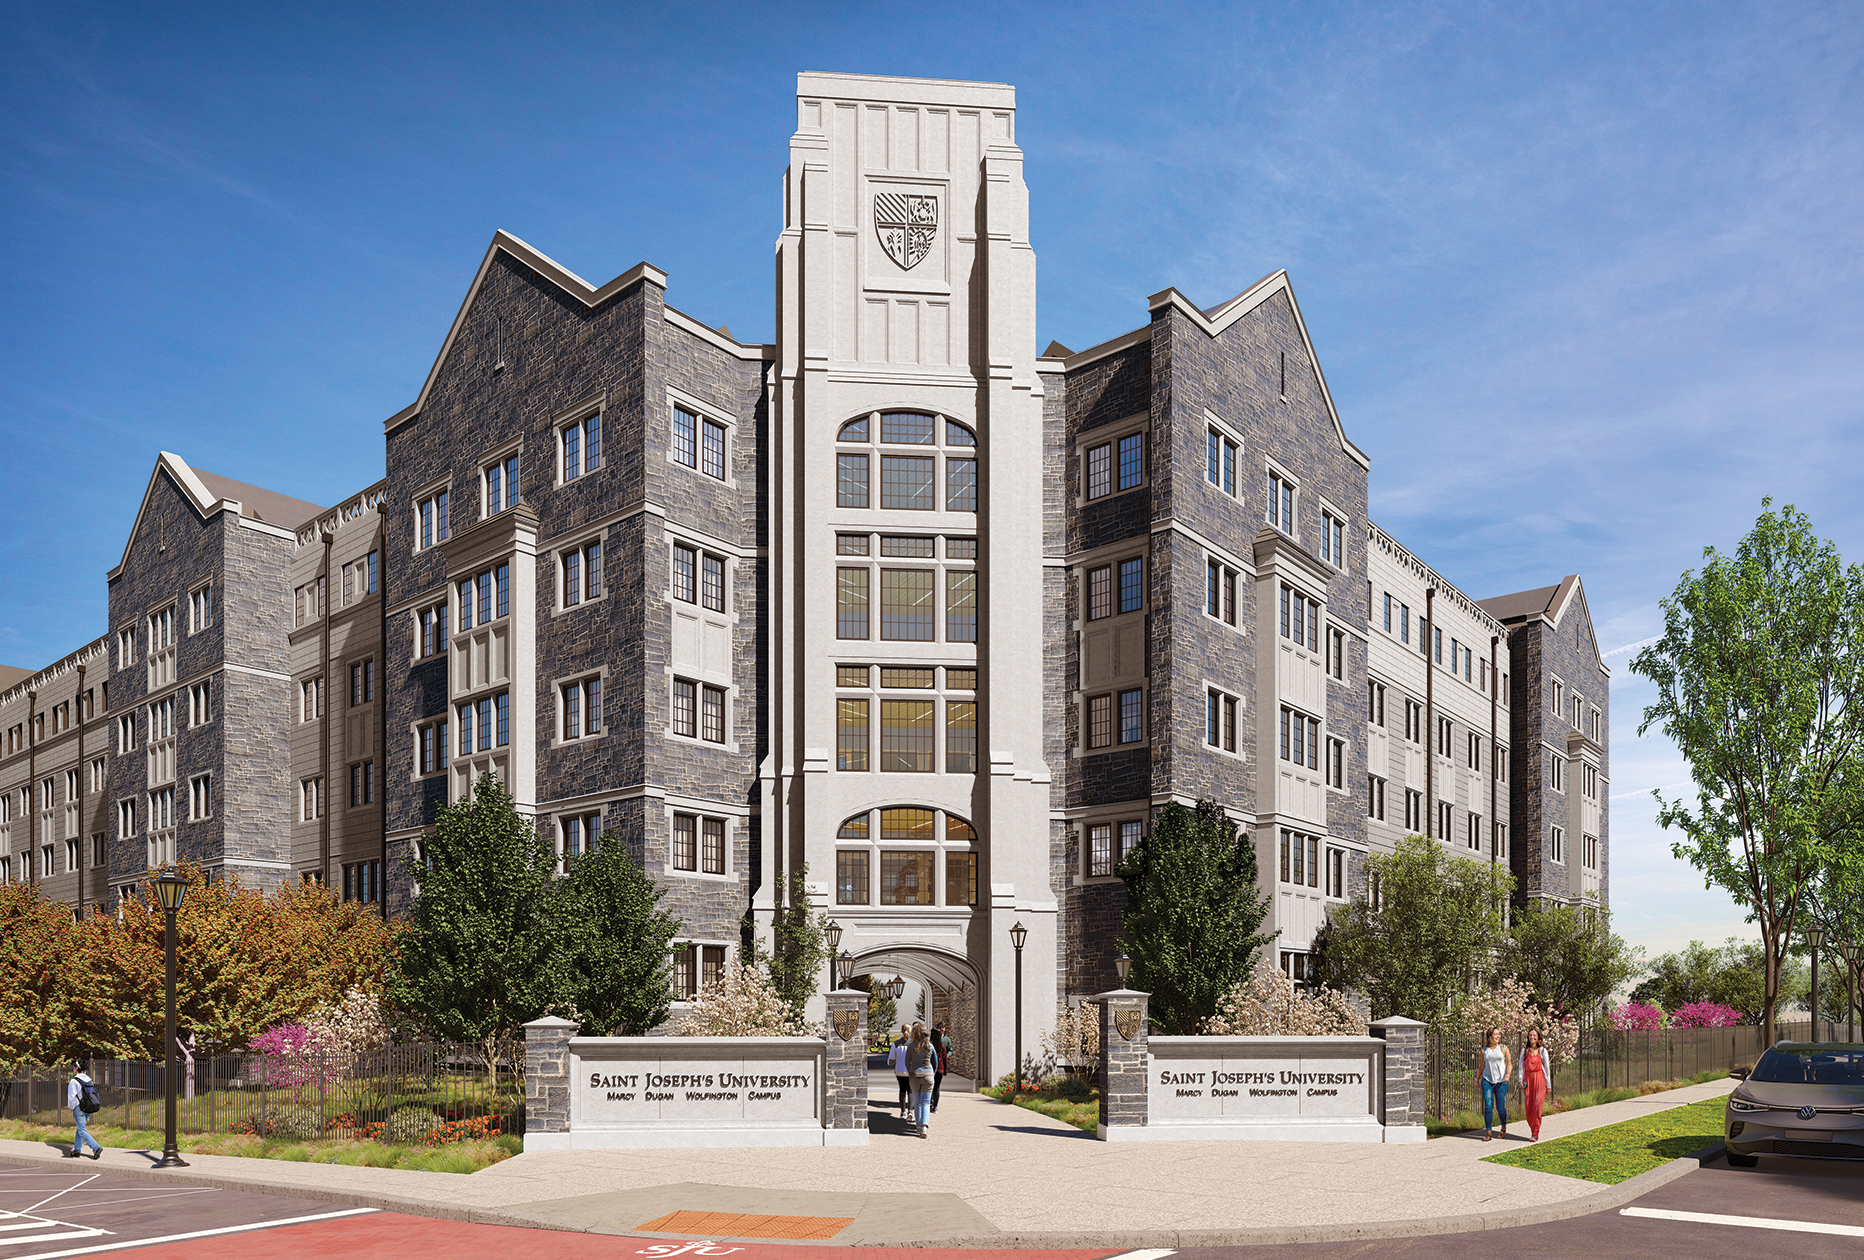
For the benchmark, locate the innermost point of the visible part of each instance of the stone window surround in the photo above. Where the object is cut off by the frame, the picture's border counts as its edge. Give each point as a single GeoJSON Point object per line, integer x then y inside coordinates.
{"type": "Point", "coordinates": [556, 709]}
{"type": "Point", "coordinates": [672, 533]}
{"type": "Point", "coordinates": [1346, 786]}
{"type": "Point", "coordinates": [705, 411]}
{"type": "Point", "coordinates": [497, 456]}
{"type": "Point", "coordinates": [446, 718]}
{"type": "Point", "coordinates": [561, 547]}
{"type": "Point", "coordinates": [734, 823]}
{"type": "Point", "coordinates": [939, 845]}
{"type": "Point", "coordinates": [195, 588]}
{"type": "Point", "coordinates": [1110, 435]}
{"type": "Point", "coordinates": [1227, 564]}
{"type": "Point", "coordinates": [1139, 811]}
{"type": "Point", "coordinates": [1274, 467]}
{"type": "Point", "coordinates": [686, 942]}
{"type": "Point", "coordinates": [1110, 558]}
{"type": "Point", "coordinates": [1085, 697]}
{"type": "Point", "coordinates": [1223, 428]}
{"type": "Point", "coordinates": [1347, 529]}
{"type": "Point", "coordinates": [1243, 733]}
{"type": "Point", "coordinates": [442, 484]}
{"type": "Point", "coordinates": [730, 745]}
{"type": "Point", "coordinates": [126, 646]}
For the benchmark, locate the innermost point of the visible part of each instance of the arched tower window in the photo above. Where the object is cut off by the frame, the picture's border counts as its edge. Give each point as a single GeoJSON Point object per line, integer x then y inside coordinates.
{"type": "Point", "coordinates": [913, 856]}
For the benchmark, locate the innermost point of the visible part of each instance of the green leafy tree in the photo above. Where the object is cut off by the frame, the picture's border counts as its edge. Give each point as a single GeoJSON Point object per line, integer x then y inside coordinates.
{"type": "Point", "coordinates": [1733, 975]}
{"type": "Point", "coordinates": [1430, 935]}
{"type": "Point", "coordinates": [1569, 956]}
{"type": "Point", "coordinates": [798, 951]}
{"type": "Point", "coordinates": [1192, 914]}
{"type": "Point", "coordinates": [882, 1014]}
{"type": "Point", "coordinates": [621, 981]}
{"type": "Point", "coordinates": [483, 956]}
{"type": "Point", "coordinates": [1760, 684]}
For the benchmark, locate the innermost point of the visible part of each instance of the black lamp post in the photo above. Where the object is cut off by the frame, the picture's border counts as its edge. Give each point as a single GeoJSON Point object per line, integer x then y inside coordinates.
{"type": "Point", "coordinates": [1018, 935]}
{"type": "Point", "coordinates": [1850, 950]}
{"type": "Point", "coordinates": [1124, 966]}
{"type": "Point", "coordinates": [896, 989]}
{"type": "Point", "coordinates": [170, 887]}
{"type": "Point", "coordinates": [847, 967]}
{"type": "Point", "coordinates": [1815, 937]}
{"type": "Point", "coordinates": [833, 933]}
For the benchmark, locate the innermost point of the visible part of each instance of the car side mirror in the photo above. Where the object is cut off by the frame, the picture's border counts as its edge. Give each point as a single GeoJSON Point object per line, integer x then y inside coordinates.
{"type": "Point", "coordinates": [1739, 1073]}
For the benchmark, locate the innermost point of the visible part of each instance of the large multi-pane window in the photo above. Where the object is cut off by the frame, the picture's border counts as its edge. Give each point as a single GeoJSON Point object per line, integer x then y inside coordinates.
{"type": "Point", "coordinates": [484, 723]}
{"type": "Point", "coordinates": [685, 437]}
{"type": "Point", "coordinates": [1100, 592]}
{"type": "Point", "coordinates": [712, 449]}
{"type": "Point", "coordinates": [1220, 720]}
{"type": "Point", "coordinates": [712, 582]}
{"type": "Point", "coordinates": [908, 735]}
{"type": "Point", "coordinates": [961, 737]}
{"type": "Point", "coordinates": [1099, 471]}
{"type": "Point", "coordinates": [432, 513]}
{"type": "Point", "coordinates": [1220, 461]}
{"type": "Point", "coordinates": [961, 606]}
{"type": "Point", "coordinates": [712, 714]}
{"type": "Point", "coordinates": [1116, 465]}
{"type": "Point", "coordinates": [501, 485]}
{"type": "Point", "coordinates": [1300, 859]}
{"type": "Point", "coordinates": [851, 877]}
{"type": "Point", "coordinates": [851, 718]}
{"type": "Point", "coordinates": [1300, 619]}
{"type": "Point", "coordinates": [1300, 738]}
{"type": "Point", "coordinates": [851, 481]}
{"type": "Point", "coordinates": [433, 747]}
{"type": "Point", "coordinates": [1132, 707]}
{"type": "Point", "coordinates": [1132, 585]}
{"type": "Point", "coordinates": [488, 595]}
{"type": "Point", "coordinates": [851, 603]}
{"type": "Point", "coordinates": [582, 573]}
{"type": "Point", "coordinates": [685, 573]}
{"type": "Point", "coordinates": [1332, 539]}
{"type": "Point", "coordinates": [582, 708]}
{"type": "Point", "coordinates": [907, 608]}
{"type": "Point", "coordinates": [1220, 592]}
{"type": "Point", "coordinates": [906, 482]}
{"type": "Point", "coordinates": [699, 844]}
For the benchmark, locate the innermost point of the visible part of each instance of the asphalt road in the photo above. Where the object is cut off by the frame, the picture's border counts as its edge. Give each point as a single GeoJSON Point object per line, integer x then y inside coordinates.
{"type": "Point", "coordinates": [1780, 1190]}
{"type": "Point", "coordinates": [69, 1211]}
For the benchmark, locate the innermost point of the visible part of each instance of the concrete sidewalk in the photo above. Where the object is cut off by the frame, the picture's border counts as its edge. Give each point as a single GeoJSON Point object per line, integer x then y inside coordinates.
{"type": "Point", "coordinates": [989, 1175]}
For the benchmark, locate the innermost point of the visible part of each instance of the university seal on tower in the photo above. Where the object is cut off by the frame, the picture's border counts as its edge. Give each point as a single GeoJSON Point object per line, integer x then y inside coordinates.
{"type": "Point", "coordinates": [1127, 1022]}
{"type": "Point", "coordinates": [906, 224]}
{"type": "Point", "coordinates": [846, 1024]}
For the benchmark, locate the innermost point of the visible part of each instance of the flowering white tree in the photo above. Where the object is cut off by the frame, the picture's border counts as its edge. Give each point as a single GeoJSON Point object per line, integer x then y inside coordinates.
{"type": "Point", "coordinates": [1075, 1038]}
{"type": "Point", "coordinates": [742, 1002]}
{"type": "Point", "coordinates": [1269, 1005]}
{"type": "Point", "coordinates": [1510, 1007]}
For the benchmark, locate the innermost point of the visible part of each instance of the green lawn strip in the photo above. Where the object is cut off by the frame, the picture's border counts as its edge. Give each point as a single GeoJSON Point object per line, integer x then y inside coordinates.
{"type": "Point", "coordinates": [1468, 1120]}
{"type": "Point", "coordinates": [454, 1157]}
{"type": "Point", "coordinates": [1620, 1151]}
{"type": "Point", "coordinates": [1082, 1114]}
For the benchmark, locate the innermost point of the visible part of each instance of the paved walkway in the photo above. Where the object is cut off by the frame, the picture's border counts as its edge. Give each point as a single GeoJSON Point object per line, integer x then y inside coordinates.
{"type": "Point", "coordinates": [987, 1172]}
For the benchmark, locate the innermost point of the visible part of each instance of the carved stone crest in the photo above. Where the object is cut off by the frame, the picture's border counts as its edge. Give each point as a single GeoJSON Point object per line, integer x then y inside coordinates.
{"type": "Point", "coordinates": [906, 224]}
{"type": "Point", "coordinates": [847, 1023]}
{"type": "Point", "coordinates": [1126, 1022]}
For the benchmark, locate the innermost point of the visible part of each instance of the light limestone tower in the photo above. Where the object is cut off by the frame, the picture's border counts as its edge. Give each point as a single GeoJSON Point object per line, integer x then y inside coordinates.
{"type": "Point", "coordinates": [905, 489]}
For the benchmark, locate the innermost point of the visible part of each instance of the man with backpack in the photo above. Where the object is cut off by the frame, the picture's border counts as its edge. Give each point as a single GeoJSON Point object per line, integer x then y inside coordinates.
{"type": "Point", "coordinates": [84, 1101]}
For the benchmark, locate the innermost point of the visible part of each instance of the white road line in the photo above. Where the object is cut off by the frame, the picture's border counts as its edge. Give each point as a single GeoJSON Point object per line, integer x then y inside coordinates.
{"type": "Point", "coordinates": [1158, 1253]}
{"type": "Point", "coordinates": [1752, 1222]}
{"type": "Point", "coordinates": [67, 1190]}
{"type": "Point", "coordinates": [203, 1233]}
{"type": "Point", "coordinates": [58, 1234]}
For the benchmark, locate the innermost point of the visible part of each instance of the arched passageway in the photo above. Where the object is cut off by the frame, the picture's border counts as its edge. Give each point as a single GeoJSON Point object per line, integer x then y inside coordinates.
{"type": "Point", "coordinates": [956, 996]}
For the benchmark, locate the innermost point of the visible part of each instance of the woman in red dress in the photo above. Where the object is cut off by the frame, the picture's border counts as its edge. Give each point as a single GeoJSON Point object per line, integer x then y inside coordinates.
{"type": "Point", "coordinates": [1536, 1079]}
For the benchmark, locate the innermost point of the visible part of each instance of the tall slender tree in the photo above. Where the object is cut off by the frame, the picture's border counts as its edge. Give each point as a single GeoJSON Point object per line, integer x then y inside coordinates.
{"type": "Point", "coordinates": [618, 935]}
{"type": "Point", "coordinates": [1760, 684]}
{"type": "Point", "coordinates": [1192, 914]}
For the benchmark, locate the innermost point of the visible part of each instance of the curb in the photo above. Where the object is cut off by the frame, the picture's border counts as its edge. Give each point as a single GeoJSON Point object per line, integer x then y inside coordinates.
{"type": "Point", "coordinates": [1603, 1200]}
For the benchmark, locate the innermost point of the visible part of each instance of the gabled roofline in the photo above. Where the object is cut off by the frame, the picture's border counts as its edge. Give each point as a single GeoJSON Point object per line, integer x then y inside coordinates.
{"type": "Point", "coordinates": [588, 294]}
{"type": "Point", "coordinates": [200, 498]}
{"type": "Point", "coordinates": [1221, 317]}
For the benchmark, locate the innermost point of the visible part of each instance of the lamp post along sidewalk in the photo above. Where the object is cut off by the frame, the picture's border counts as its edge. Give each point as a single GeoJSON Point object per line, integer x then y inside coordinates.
{"type": "Point", "coordinates": [1018, 935]}
{"type": "Point", "coordinates": [1815, 937]}
{"type": "Point", "coordinates": [170, 887]}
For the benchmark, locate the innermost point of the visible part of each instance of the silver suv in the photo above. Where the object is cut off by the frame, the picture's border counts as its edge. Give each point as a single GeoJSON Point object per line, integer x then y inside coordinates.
{"type": "Point", "coordinates": [1803, 1098]}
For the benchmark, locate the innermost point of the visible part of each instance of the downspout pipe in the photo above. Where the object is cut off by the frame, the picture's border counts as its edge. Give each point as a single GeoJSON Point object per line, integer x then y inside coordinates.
{"type": "Point", "coordinates": [32, 786]}
{"type": "Point", "coordinates": [381, 700]}
{"type": "Point", "coordinates": [1430, 713]}
{"type": "Point", "coordinates": [82, 855]}
{"type": "Point", "coordinates": [323, 705]}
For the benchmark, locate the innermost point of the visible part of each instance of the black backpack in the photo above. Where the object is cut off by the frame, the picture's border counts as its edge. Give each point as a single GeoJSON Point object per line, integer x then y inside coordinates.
{"type": "Point", "coordinates": [90, 1102]}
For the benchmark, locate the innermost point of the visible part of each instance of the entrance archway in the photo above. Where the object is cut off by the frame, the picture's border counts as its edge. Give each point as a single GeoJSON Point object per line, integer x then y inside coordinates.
{"type": "Point", "coordinates": [939, 971]}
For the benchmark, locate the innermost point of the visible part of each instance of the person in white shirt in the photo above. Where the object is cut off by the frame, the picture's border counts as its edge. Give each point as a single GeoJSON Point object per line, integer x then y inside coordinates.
{"type": "Point", "coordinates": [79, 1090]}
{"type": "Point", "coordinates": [896, 1059]}
{"type": "Point", "coordinates": [1495, 1073]}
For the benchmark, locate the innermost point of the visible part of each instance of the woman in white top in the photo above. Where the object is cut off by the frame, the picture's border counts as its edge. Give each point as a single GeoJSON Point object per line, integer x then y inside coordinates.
{"type": "Point", "coordinates": [1495, 1073]}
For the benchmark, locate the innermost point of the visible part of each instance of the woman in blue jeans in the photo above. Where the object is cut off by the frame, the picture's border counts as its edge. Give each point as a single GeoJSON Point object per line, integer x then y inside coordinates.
{"type": "Point", "coordinates": [1495, 1074]}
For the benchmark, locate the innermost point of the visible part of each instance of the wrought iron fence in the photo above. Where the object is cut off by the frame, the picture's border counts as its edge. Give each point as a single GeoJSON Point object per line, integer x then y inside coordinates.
{"type": "Point", "coordinates": [400, 1094]}
{"type": "Point", "coordinates": [1608, 1058]}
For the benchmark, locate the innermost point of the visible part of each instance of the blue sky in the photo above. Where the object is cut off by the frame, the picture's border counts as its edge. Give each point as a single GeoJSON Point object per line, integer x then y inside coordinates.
{"type": "Point", "coordinates": [1584, 279]}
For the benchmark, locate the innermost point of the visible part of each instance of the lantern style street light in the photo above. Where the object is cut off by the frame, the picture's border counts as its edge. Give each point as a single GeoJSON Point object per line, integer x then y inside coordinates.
{"type": "Point", "coordinates": [1018, 935]}
{"type": "Point", "coordinates": [833, 933]}
{"type": "Point", "coordinates": [1850, 950]}
{"type": "Point", "coordinates": [170, 887]}
{"type": "Point", "coordinates": [1815, 937]}
{"type": "Point", "coordinates": [1124, 966]}
{"type": "Point", "coordinates": [847, 967]}
{"type": "Point", "coordinates": [897, 988]}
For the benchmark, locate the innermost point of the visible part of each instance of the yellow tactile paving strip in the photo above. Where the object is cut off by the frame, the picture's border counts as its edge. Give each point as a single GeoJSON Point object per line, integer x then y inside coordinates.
{"type": "Point", "coordinates": [741, 1225]}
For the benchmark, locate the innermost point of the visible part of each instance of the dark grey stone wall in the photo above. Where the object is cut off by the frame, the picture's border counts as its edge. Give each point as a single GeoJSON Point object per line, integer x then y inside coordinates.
{"type": "Point", "coordinates": [244, 745]}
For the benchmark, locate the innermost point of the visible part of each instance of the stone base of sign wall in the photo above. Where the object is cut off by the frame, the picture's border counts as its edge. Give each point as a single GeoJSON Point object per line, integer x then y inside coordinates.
{"type": "Point", "coordinates": [1259, 1131]}
{"type": "Point", "coordinates": [687, 1139]}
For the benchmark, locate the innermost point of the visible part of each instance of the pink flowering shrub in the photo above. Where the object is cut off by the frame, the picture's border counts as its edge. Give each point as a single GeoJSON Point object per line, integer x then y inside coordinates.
{"type": "Point", "coordinates": [1638, 1017]}
{"type": "Point", "coordinates": [1705, 1015]}
{"type": "Point", "coordinates": [288, 1056]}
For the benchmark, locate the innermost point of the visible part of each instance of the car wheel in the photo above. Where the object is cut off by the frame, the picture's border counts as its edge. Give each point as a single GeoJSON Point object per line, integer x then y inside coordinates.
{"type": "Point", "coordinates": [1742, 1161]}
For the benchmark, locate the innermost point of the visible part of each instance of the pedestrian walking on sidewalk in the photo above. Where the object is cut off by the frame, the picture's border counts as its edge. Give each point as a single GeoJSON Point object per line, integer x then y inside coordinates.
{"type": "Point", "coordinates": [942, 1044]}
{"type": "Point", "coordinates": [84, 1101]}
{"type": "Point", "coordinates": [922, 1067]}
{"type": "Point", "coordinates": [1495, 1074]}
{"type": "Point", "coordinates": [1536, 1081]}
{"type": "Point", "coordinates": [896, 1059]}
